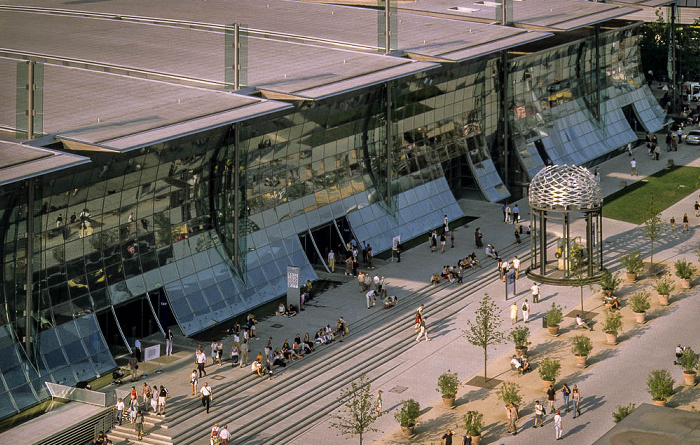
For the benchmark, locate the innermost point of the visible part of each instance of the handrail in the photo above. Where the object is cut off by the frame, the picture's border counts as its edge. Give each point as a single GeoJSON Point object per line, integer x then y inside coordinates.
{"type": "Point", "coordinates": [83, 431]}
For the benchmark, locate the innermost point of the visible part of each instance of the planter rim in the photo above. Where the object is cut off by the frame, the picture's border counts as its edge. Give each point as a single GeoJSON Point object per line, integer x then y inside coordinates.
{"type": "Point", "coordinates": [690, 372]}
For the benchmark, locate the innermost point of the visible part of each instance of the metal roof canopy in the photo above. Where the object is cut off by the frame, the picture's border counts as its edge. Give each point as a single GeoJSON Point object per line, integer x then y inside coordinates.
{"type": "Point", "coordinates": [19, 162]}
{"type": "Point", "coordinates": [561, 15]}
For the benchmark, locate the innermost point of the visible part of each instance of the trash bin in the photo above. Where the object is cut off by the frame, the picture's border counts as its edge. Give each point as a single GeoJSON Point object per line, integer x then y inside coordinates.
{"type": "Point", "coordinates": [544, 321]}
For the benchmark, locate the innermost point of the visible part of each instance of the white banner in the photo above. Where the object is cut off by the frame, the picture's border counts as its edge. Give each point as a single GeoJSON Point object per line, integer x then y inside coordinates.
{"type": "Point", "coordinates": [151, 353]}
{"type": "Point", "coordinates": [395, 242]}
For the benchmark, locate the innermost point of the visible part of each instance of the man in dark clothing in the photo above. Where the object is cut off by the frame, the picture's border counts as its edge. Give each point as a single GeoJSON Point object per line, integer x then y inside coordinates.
{"type": "Point", "coordinates": [447, 437]}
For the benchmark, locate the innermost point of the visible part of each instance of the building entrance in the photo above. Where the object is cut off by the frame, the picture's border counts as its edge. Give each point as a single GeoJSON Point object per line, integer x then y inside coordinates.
{"type": "Point", "coordinates": [319, 241]}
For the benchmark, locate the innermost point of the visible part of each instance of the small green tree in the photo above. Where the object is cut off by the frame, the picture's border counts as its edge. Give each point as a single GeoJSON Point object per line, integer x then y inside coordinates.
{"type": "Point", "coordinates": [509, 392]}
{"type": "Point", "coordinates": [358, 411]}
{"type": "Point", "coordinates": [622, 412]}
{"type": "Point", "coordinates": [484, 331]}
{"type": "Point", "coordinates": [652, 224]}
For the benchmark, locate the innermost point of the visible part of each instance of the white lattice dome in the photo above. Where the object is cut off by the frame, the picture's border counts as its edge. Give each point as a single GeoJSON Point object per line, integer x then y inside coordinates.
{"type": "Point", "coordinates": [565, 186]}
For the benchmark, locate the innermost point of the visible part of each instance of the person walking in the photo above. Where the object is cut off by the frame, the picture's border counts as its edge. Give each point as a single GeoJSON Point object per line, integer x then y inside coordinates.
{"type": "Point", "coordinates": [244, 352]}
{"type": "Point", "coordinates": [169, 343]}
{"type": "Point", "coordinates": [138, 425]}
{"type": "Point", "coordinates": [443, 240]}
{"type": "Point", "coordinates": [685, 222]}
{"type": "Point", "coordinates": [194, 379]}
{"type": "Point", "coordinates": [633, 167]}
{"type": "Point", "coordinates": [447, 437]}
{"type": "Point", "coordinates": [214, 434]}
{"type": "Point", "coordinates": [672, 221]}
{"type": "Point", "coordinates": [539, 414]}
{"type": "Point", "coordinates": [576, 398]}
{"type": "Point", "coordinates": [219, 351]}
{"type": "Point", "coordinates": [200, 359]}
{"type": "Point", "coordinates": [513, 313]}
{"type": "Point", "coordinates": [331, 261]}
{"type": "Point", "coordinates": [565, 392]}
{"type": "Point", "coordinates": [452, 239]}
{"type": "Point", "coordinates": [477, 238]}
{"type": "Point", "coordinates": [558, 426]}
{"type": "Point", "coordinates": [207, 395]}
{"type": "Point", "coordinates": [512, 413]}
{"type": "Point", "coordinates": [516, 266]}
{"type": "Point", "coordinates": [505, 267]}
{"type": "Point", "coordinates": [517, 235]}
{"type": "Point", "coordinates": [551, 397]}
{"type": "Point", "coordinates": [516, 214]}
{"type": "Point", "coordinates": [526, 311]}
{"type": "Point", "coordinates": [423, 330]}
{"type": "Point", "coordinates": [224, 435]}
{"type": "Point", "coordinates": [379, 403]}
{"type": "Point", "coordinates": [535, 289]}
{"type": "Point", "coordinates": [697, 209]}
{"type": "Point", "coordinates": [162, 398]}
{"type": "Point", "coordinates": [508, 214]}
{"type": "Point", "coordinates": [119, 408]}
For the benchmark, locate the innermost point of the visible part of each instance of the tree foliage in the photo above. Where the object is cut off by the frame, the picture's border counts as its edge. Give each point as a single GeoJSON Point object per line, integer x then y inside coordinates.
{"type": "Point", "coordinates": [654, 41]}
{"type": "Point", "coordinates": [484, 330]}
{"type": "Point", "coordinates": [652, 224]}
{"type": "Point", "coordinates": [358, 412]}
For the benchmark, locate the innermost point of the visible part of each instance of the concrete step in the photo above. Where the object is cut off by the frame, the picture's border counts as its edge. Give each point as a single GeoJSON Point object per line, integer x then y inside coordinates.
{"type": "Point", "coordinates": [126, 434]}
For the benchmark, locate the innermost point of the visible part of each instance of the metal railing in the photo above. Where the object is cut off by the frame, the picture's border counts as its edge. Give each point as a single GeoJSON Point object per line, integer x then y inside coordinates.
{"type": "Point", "coordinates": [77, 394]}
{"type": "Point", "coordinates": [82, 432]}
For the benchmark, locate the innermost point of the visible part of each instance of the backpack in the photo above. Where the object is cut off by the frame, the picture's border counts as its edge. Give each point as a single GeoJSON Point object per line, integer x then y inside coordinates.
{"type": "Point", "coordinates": [524, 308]}
{"type": "Point", "coordinates": [417, 318]}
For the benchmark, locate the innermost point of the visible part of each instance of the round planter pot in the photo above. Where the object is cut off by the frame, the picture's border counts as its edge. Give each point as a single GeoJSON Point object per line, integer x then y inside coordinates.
{"type": "Point", "coordinates": [407, 430]}
{"type": "Point", "coordinates": [631, 277]}
{"type": "Point", "coordinates": [663, 300]}
{"type": "Point", "coordinates": [448, 401]}
{"type": "Point", "coordinates": [639, 317]}
{"type": "Point", "coordinates": [580, 361]}
{"type": "Point", "coordinates": [689, 378]}
{"type": "Point", "coordinates": [685, 283]}
{"type": "Point", "coordinates": [547, 383]}
{"type": "Point", "coordinates": [659, 402]}
{"type": "Point", "coordinates": [476, 440]}
{"type": "Point", "coordinates": [611, 339]}
{"type": "Point", "coordinates": [553, 330]}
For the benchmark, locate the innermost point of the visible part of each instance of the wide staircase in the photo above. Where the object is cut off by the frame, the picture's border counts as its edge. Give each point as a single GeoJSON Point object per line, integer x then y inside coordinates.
{"type": "Point", "coordinates": [278, 410]}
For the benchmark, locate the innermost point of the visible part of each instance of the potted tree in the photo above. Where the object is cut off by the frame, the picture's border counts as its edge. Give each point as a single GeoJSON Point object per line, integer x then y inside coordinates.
{"type": "Point", "coordinates": [474, 423]}
{"type": "Point", "coordinates": [664, 285]}
{"type": "Point", "coordinates": [581, 346]}
{"type": "Point", "coordinates": [549, 371]}
{"type": "Point", "coordinates": [633, 263]}
{"type": "Point", "coordinates": [685, 271]}
{"type": "Point", "coordinates": [611, 326]}
{"type": "Point", "coordinates": [689, 361]}
{"type": "Point", "coordinates": [609, 283]}
{"type": "Point", "coordinates": [407, 415]}
{"type": "Point", "coordinates": [448, 383]}
{"type": "Point", "coordinates": [519, 336]}
{"type": "Point", "coordinates": [508, 393]}
{"type": "Point", "coordinates": [660, 386]}
{"type": "Point", "coordinates": [554, 317]}
{"type": "Point", "coordinates": [640, 304]}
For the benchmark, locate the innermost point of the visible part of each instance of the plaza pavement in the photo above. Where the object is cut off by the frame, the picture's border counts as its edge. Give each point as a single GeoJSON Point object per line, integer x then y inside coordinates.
{"type": "Point", "coordinates": [289, 410]}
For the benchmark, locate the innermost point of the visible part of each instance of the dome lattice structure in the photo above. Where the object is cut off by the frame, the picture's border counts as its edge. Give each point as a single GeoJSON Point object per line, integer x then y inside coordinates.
{"type": "Point", "coordinates": [565, 187]}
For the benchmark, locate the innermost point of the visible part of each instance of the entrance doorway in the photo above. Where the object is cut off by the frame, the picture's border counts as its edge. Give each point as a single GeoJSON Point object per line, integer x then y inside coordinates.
{"type": "Point", "coordinates": [319, 241]}
{"type": "Point", "coordinates": [632, 119]}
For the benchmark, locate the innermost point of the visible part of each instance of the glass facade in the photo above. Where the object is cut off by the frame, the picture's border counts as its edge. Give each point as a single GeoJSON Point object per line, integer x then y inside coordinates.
{"type": "Point", "coordinates": [211, 220]}
{"type": "Point", "coordinates": [556, 104]}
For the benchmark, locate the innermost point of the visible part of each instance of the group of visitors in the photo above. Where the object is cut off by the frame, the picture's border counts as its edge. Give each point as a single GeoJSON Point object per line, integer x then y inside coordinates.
{"type": "Point", "coordinates": [150, 397]}
{"type": "Point", "coordinates": [352, 257]}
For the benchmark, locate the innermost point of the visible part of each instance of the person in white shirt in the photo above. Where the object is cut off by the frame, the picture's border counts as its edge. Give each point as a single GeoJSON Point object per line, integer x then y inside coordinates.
{"type": "Point", "coordinates": [224, 435]}
{"type": "Point", "coordinates": [120, 410]}
{"type": "Point", "coordinates": [582, 324]}
{"type": "Point", "coordinates": [516, 364]}
{"type": "Point", "coordinates": [370, 297]}
{"type": "Point", "coordinates": [535, 289]}
{"type": "Point", "coordinates": [200, 360]}
{"type": "Point", "coordinates": [207, 395]}
{"type": "Point", "coordinates": [213, 352]}
{"type": "Point", "coordinates": [558, 426]}
{"type": "Point", "coordinates": [526, 310]}
{"type": "Point", "coordinates": [516, 266]}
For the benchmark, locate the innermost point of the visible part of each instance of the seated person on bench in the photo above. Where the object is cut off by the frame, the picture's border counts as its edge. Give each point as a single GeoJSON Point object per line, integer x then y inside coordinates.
{"type": "Point", "coordinates": [516, 366]}
{"type": "Point", "coordinates": [525, 363]}
{"type": "Point", "coordinates": [611, 302]}
{"type": "Point", "coordinates": [582, 324]}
